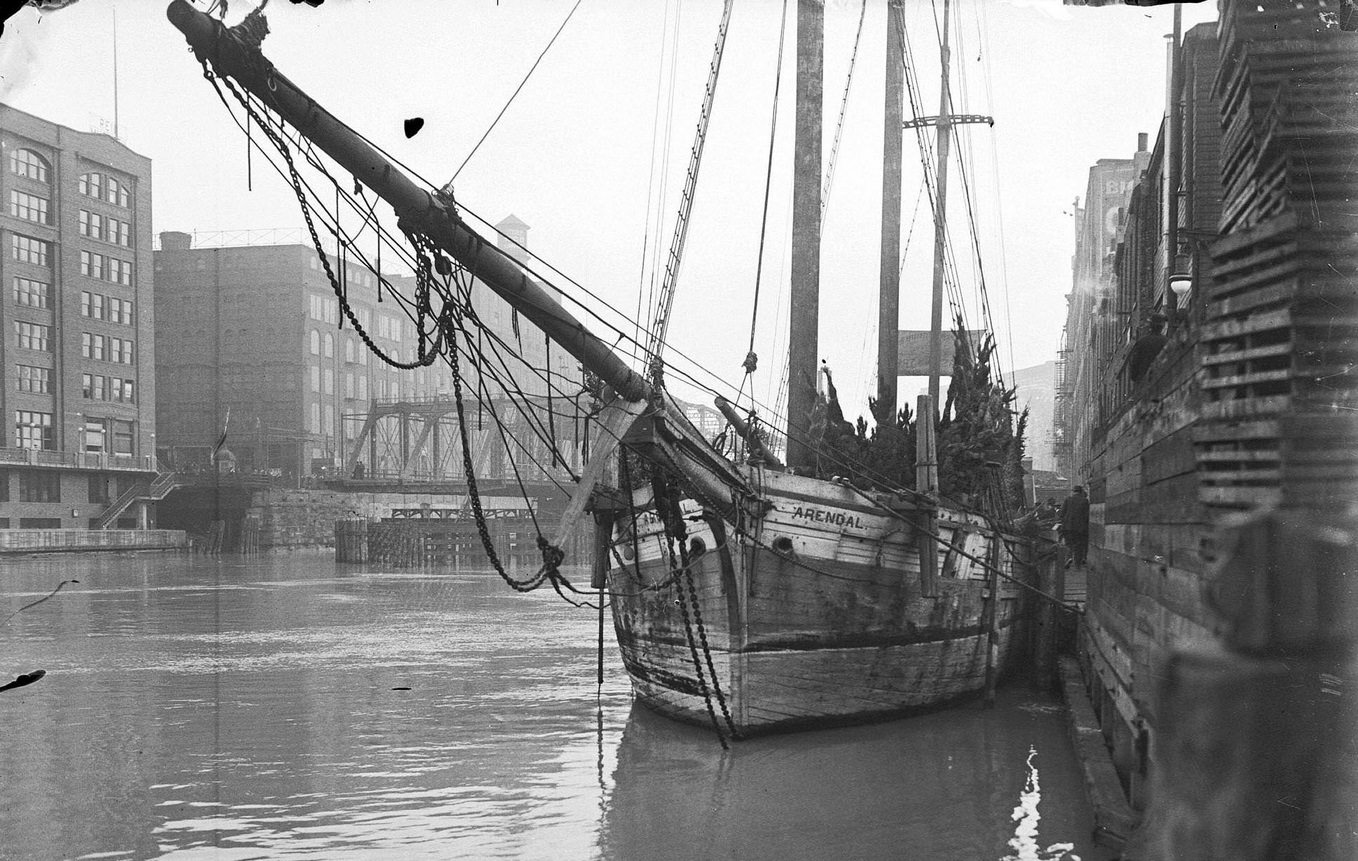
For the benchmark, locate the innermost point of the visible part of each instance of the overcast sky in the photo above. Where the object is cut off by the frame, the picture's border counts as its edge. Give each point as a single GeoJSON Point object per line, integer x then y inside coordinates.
{"type": "Point", "coordinates": [572, 156]}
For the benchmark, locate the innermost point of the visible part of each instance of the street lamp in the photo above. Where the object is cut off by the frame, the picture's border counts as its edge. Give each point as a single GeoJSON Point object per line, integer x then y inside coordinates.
{"type": "Point", "coordinates": [1181, 277]}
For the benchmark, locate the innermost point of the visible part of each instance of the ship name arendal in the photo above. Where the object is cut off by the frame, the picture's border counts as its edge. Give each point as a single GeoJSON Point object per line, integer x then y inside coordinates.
{"type": "Point", "coordinates": [834, 518]}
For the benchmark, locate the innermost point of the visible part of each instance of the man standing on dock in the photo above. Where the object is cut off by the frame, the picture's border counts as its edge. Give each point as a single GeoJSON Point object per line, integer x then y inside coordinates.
{"type": "Point", "coordinates": [1074, 525]}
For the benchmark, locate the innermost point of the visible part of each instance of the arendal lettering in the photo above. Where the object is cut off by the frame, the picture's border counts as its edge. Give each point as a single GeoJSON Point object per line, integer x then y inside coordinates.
{"type": "Point", "coordinates": [820, 515]}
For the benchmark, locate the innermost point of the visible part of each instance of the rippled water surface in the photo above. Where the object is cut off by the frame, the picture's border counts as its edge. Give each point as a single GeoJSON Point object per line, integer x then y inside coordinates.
{"type": "Point", "coordinates": [284, 707]}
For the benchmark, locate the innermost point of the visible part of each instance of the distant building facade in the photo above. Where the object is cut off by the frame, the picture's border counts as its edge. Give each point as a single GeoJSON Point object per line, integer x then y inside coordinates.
{"type": "Point", "coordinates": [1035, 392]}
{"type": "Point", "coordinates": [1091, 304]}
{"type": "Point", "coordinates": [252, 344]}
{"type": "Point", "coordinates": [78, 352]}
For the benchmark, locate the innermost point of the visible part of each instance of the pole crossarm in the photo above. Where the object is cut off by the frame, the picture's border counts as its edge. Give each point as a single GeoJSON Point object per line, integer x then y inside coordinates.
{"type": "Point", "coordinates": [952, 120]}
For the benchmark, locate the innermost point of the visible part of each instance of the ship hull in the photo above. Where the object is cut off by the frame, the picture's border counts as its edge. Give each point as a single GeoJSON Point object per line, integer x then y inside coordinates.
{"type": "Point", "coordinates": [815, 617]}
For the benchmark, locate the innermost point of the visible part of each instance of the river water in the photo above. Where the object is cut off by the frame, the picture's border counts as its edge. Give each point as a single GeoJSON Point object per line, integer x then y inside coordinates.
{"type": "Point", "coordinates": [286, 707]}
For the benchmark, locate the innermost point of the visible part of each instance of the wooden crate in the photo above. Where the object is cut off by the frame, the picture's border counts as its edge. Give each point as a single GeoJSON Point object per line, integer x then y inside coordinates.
{"type": "Point", "coordinates": [1278, 354]}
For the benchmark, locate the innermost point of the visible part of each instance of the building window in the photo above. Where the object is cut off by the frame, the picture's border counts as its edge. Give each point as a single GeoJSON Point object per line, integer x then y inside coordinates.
{"type": "Point", "coordinates": [34, 294]}
{"type": "Point", "coordinates": [348, 384]}
{"type": "Point", "coordinates": [39, 486]}
{"type": "Point", "coordinates": [95, 431]}
{"type": "Point", "coordinates": [120, 350]}
{"type": "Point", "coordinates": [122, 437]}
{"type": "Point", "coordinates": [99, 488]}
{"type": "Point", "coordinates": [329, 427]}
{"type": "Point", "coordinates": [105, 228]}
{"type": "Point", "coordinates": [315, 379]}
{"type": "Point", "coordinates": [26, 162]}
{"type": "Point", "coordinates": [26, 249]}
{"type": "Point", "coordinates": [4, 487]}
{"type": "Point", "coordinates": [329, 346]}
{"type": "Point", "coordinates": [91, 185]}
{"type": "Point", "coordinates": [124, 391]}
{"type": "Point", "coordinates": [362, 388]}
{"type": "Point", "coordinates": [116, 192]}
{"type": "Point", "coordinates": [119, 271]}
{"type": "Point", "coordinates": [315, 343]}
{"type": "Point", "coordinates": [94, 387]}
{"type": "Point", "coordinates": [94, 265]}
{"type": "Point", "coordinates": [36, 380]}
{"type": "Point", "coordinates": [29, 207]}
{"type": "Point", "coordinates": [105, 188]}
{"type": "Point", "coordinates": [33, 336]}
{"type": "Point", "coordinates": [39, 522]}
{"type": "Point", "coordinates": [315, 425]}
{"type": "Point", "coordinates": [348, 350]}
{"type": "Point", "coordinates": [92, 346]}
{"type": "Point", "coordinates": [34, 430]}
{"type": "Point", "coordinates": [329, 381]}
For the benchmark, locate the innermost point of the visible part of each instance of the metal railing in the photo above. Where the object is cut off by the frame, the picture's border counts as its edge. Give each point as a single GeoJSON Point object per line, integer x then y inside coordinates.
{"type": "Point", "coordinates": [140, 490]}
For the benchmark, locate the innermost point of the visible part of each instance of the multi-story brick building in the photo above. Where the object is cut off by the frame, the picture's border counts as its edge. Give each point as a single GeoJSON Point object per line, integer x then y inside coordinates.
{"type": "Point", "coordinates": [78, 350]}
{"type": "Point", "coordinates": [255, 331]}
{"type": "Point", "coordinates": [250, 345]}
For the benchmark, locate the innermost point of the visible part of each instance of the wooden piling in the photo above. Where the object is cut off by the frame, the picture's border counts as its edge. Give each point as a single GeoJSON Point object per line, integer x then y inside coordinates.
{"type": "Point", "coordinates": [351, 540]}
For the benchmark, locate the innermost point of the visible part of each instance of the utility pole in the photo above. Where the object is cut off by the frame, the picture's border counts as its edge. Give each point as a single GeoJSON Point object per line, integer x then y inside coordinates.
{"type": "Point", "coordinates": [945, 121]}
{"type": "Point", "coordinates": [940, 222]}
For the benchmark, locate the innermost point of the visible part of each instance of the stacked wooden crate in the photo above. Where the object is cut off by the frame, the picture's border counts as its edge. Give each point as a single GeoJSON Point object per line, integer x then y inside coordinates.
{"type": "Point", "coordinates": [1279, 348]}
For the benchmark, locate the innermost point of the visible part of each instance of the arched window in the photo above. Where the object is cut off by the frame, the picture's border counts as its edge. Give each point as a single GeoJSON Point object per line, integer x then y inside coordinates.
{"type": "Point", "coordinates": [329, 346]}
{"type": "Point", "coordinates": [315, 343]}
{"type": "Point", "coordinates": [26, 162]}
{"type": "Point", "coordinates": [92, 185]}
{"type": "Point", "coordinates": [116, 192]}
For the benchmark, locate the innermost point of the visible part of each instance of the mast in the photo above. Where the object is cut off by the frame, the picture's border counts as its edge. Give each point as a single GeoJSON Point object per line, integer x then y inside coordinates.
{"type": "Point", "coordinates": [803, 347]}
{"type": "Point", "coordinates": [889, 304]}
{"type": "Point", "coordinates": [940, 224]}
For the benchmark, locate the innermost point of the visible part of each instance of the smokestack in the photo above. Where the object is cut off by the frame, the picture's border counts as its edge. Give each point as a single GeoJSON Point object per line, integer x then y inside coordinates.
{"type": "Point", "coordinates": [174, 240]}
{"type": "Point", "coordinates": [1141, 141]}
{"type": "Point", "coordinates": [513, 238]}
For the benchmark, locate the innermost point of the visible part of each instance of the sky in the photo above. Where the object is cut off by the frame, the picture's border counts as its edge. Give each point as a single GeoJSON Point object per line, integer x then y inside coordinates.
{"type": "Point", "coordinates": [592, 152]}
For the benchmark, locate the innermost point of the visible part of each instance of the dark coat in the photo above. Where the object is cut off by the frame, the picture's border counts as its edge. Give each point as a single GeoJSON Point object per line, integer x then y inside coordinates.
{"type": "Point", "coordinates": [1075, 514]}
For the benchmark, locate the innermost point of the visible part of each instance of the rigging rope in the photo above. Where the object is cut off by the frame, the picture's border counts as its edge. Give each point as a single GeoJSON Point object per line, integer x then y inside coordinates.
{"type": "Point", "coordinates": [650, 185]}
{"type": "Point", "coordinates": [751, 360]}
{"type": "Point", "coordinates": [512, 96]}
{"type": "Point", "coordinates": [839, 126]}
{"type": "Point", "coordinates": [656, 343]}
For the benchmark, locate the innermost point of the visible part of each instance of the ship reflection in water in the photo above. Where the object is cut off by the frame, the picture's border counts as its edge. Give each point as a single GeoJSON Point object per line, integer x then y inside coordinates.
{"type": "Point", "coordinates": [281, 708]}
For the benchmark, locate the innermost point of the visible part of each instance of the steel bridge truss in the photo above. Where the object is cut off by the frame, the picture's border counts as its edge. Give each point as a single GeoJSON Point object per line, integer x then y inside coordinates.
{"type": "Point", "coordinates": [419, 440]}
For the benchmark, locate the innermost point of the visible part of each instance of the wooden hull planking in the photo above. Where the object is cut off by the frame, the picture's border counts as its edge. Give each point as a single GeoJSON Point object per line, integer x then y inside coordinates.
{"type": "Point", "coordinates": [815, 617]}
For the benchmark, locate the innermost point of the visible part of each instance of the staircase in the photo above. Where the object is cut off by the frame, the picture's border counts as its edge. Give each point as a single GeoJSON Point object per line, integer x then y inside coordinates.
{"type": "Point", "coordinates": [154, 492]}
